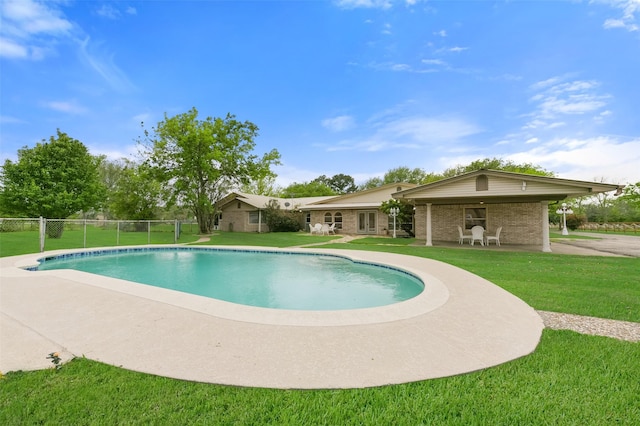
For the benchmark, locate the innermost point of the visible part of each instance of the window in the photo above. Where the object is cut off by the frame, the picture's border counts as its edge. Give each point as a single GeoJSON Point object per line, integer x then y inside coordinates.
{"type": "Point", "coordinates": [327, 218]}
{"type": "Point", "coordinates": [255, 216]}
{"type": "Point", "coordinates": [482, 183]}
{"type": "Point", "coordinates": [338, 220]}
{"type": "Point", "coordinates": [475, 216]}
{"type": "Point", "coordinates": [308, 218]}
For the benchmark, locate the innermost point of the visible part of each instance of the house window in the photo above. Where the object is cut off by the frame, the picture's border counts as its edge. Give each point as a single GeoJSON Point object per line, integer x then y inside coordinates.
{"type": "Point", "coordinates": [338, 220]}
{"type": "Point", "coordinates": [482, 183]}
{"type": "Point", "coordinates": [327, 218]}
{"type": "Point", "coordinates": [255, 216]}
{"type": "Point", "coordinates": [475, 216]}
{"type": "Point", "coordinates": [308, 218]}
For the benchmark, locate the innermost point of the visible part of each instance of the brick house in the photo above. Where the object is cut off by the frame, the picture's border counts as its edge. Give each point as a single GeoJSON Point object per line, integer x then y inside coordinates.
{"type": "Point", "coordinates": [517, 202]}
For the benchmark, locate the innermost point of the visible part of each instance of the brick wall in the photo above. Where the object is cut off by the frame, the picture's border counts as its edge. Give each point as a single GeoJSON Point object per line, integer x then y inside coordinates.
{"type": "Point", "coordinates": [521, 222]}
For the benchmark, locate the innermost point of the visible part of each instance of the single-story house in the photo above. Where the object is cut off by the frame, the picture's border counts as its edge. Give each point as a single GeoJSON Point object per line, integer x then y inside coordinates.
{"type": "Point", "coordinates": [514, 201]}
{"type": "Point", "coordinates": [243, 212]}
{"type": "Point", "coordinates": [355, 213]}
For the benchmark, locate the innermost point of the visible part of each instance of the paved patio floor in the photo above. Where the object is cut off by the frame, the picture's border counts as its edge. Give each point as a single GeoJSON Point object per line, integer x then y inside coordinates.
{"type": "Point", "coordinates": [461, 323]}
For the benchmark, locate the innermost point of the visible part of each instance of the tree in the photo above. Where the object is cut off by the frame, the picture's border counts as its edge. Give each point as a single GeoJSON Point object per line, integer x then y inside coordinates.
{"type": "Point", "coordinates": [199, 161]}
{"type": "Point", "coordinates": [497, 164]}
{"type": "Point", "coordinates": [54, 179]}
{"type": "Point", "coordinates": [405, 215]}
{"type": "Point", "coordinates": [264, 186]}
{"type": "Point", "coordinates": [136, 195]}
{"type": "Point", "coordinates": [404, 174]}
{"type": "Point", "coordinates": [307, 189]}
{"type": "Point", "coordinates": [340, 183]}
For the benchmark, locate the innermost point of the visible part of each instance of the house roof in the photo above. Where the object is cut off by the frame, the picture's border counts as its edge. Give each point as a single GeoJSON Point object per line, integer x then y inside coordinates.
{"type": "Point", "coordinates": [501, 187]}
{"type": "Point", "coordinates": [369, 198]}
{"type": "Point", "coordinates": [260, 201]}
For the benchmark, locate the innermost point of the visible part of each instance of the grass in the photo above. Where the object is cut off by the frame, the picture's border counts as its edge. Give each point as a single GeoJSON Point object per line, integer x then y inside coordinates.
{"type": "Point", "coordinates": [23, 242]}
{"type": "Point", "coordinates": [570, 379]}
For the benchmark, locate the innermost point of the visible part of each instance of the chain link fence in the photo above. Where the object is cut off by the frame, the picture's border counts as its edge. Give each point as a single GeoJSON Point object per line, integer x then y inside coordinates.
{"type": "Point", "coordinates": [21, 236]}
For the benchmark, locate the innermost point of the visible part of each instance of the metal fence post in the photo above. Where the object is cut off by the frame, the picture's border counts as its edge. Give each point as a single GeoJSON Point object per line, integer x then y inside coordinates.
{"type": "Point", "coordinates": [42, 229]}
{"type": "Point", "coordinates": [85, 234]}
{"type": "Point", "coordinates": [118, 233]}
{"type": "Point", "coordinates": [148, 232]}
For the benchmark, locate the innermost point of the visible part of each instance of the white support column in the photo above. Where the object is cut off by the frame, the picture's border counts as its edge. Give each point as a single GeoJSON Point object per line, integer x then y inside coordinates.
{"type": "Point", "coordinates": [259, 221]}
{"type": "Point", "coordinates": [546, 244]}
{"type": "Point", "coordinates": [429, 242]}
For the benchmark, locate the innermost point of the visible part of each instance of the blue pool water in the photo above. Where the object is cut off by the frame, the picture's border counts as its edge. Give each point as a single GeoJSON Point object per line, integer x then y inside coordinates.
{"type": "Point", "coordinates": [265, 279]}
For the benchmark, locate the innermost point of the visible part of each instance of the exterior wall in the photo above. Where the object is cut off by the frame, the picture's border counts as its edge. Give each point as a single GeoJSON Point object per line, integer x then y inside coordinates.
{"type": "Point", "coordinates": [521, 222]}
{"type": "Point", "coordinates": [237, 219]}
{"type": "Point", "coordinates": [350, 220]}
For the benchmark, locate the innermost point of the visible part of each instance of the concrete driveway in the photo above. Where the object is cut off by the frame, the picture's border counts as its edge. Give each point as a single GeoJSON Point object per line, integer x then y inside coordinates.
{"type": "Point", "coordinates": [601, 245]}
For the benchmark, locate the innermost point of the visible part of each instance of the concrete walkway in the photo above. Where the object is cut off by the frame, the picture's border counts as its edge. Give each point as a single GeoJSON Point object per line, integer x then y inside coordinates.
{"type": "Point", "coordinates": [460, 323]}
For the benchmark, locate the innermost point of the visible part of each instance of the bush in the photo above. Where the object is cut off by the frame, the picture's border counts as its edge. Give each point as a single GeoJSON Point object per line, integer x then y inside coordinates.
{"type": "Point", "coordinates": [575, 221]}
{"type": "Point", "coordinates": [282, 221]}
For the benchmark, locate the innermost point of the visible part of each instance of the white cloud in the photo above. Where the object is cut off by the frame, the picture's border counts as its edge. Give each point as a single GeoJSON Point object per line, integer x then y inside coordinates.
{"type": "Point", "coordinates": [367, 4]}
{"type": "Point", "coordinates": [29, 28]}
{"type": "Point", "coordinates": [441, 33]}
{"type": "Point", "coordinates": [5, 119]}
{"type": "Point", "coordinates": [393, 130]}
{"type": "Point", "coordinates": [556, 100]}
{"type": "Point", "coordinates": [103, 64]}
{"type": "Point", "coordinates": [68, 107]}
{"type": "Point", "coordinates": [629, 10]}
{"type": "Point", "coordinates": [108, 11]}
{"type": "Point", "coordinates": [585, 159]}
{"type": "Point", "coordinates": [339, 124]}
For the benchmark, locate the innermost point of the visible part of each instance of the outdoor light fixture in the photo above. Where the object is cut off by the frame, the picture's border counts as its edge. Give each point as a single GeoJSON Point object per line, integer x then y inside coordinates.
{"type": "Point", "coordinates": [393, 212]}
{"type": "Point", "coordinates": [564, 210]}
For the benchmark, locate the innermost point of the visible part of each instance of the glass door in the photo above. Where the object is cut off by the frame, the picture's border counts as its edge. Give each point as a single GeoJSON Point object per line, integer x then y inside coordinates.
{"type": "Point", "coordinates": [367, 222]}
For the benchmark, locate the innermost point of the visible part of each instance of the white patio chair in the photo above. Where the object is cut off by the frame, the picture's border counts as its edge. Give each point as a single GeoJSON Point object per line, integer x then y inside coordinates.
{"type": "Point", "coordinates": [317, 228]}
{"type": "Point", "coordinates": [462, 236]}
{"type": "Point", "coordinates": [332, 229]}
{"type": "Point", "coordinates": [324, 229]}
{"type": "Point", "coordinates": [495, 238]}
{"type": "Point", "coordinates": [477, 234]}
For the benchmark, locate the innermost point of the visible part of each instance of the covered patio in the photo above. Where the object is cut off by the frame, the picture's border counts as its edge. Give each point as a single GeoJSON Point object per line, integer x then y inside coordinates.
{"type": "Point", "coordinates": [516, 202]}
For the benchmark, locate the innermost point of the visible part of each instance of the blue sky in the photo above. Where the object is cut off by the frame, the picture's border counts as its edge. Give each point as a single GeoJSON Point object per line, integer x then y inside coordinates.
{"type": "Point", "coordinates": [347, 86]}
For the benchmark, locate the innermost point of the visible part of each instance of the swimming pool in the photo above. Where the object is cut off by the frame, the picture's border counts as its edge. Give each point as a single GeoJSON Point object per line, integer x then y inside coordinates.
{"type": "Point", "coordinates": [279, 280]}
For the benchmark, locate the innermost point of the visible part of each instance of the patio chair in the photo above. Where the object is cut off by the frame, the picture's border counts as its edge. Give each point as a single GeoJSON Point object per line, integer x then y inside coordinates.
{"type": "Point", "coordinates": [477, 234]}
{"type": "Point", "coordinates": [324, 229]}
{"type": "Point", "coordinates": [495, 238]}
{"type": "Point", "coordinates": [317, 228]}
{"type": "Point", "coordinates": [462, 236]}
{"type": "Point", "coordinates": [332, 229]}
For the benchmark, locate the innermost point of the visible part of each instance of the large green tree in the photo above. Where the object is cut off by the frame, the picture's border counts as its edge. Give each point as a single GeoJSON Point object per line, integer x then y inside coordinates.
{"type": "Point", "coordinates": [199, 161]}
{"type": "Point", "coordinates": [135, 194]}
{"type": "Point", "coordinates": [340, 183]}
{"type": "Point", "coordinates": [314, 188]}
{"type": "Point", "coordinates": [54, 179]}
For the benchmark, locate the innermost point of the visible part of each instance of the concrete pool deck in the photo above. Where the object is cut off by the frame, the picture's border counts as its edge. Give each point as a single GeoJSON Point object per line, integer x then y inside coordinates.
{"type": "Point", "coordinates": [461, 323]}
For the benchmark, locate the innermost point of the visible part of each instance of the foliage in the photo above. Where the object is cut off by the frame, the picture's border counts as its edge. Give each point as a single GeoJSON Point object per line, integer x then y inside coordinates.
{"type": "Point", "coordinates": [497, 164]}
{"type": "Point", "coordinates": [262, 186]}
{"type": "Point", "coordinates": [575, 221]}
{"type": "Point", "coordinates": [340, 183]}
{"type": "Point", "coordinates": [199, 161]}
{"type": "Point", "coordinates": [280, 220]}
{"type": "Point", "coordinates": [136, 195]}
{"type": "Point", "coordinates": [419, 176]}
{"type": "Point", "coordinates": [307, 189]}
{"type": "Point", "coordinates": [54, 179]}
{"type": "Point", "coordinates": [406, 210]}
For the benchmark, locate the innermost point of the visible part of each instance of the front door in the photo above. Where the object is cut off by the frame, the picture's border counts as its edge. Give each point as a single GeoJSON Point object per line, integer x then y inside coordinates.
{"type": "Point", "coordinates": [367, 222]}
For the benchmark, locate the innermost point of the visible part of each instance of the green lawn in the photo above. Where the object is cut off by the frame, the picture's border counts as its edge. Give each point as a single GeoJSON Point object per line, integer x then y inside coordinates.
{"type": "Point", "coordinates": [570, 379]}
